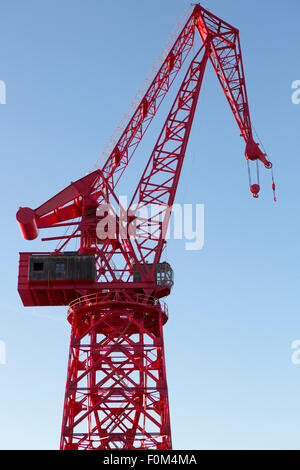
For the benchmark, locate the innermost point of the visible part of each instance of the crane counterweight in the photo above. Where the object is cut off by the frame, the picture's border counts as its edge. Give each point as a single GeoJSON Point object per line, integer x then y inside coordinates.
{"type": "Point", "coordinates": [27, 222]}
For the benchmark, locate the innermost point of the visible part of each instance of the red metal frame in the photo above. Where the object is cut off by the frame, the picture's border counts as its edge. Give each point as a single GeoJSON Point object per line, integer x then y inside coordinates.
{"type": "Point", "coordinates": [160, 179]}
{"type": "Point", "coordinates": [116, 394]}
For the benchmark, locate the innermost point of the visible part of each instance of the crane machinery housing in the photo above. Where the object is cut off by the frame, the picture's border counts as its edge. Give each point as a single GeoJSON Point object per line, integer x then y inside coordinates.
{"type": "Point", "coordinates": [116, 394]}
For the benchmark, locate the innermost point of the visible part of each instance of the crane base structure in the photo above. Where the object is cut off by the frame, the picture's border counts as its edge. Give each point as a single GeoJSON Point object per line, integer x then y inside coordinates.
{"type": "Point", "coordinates": [116, 375]}
{"type": "Point", "coordinates": [116, 394]}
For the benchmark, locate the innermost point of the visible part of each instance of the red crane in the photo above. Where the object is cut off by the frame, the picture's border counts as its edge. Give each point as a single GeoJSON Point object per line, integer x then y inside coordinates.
{"type": "Point", "coordinates": [116, 393]}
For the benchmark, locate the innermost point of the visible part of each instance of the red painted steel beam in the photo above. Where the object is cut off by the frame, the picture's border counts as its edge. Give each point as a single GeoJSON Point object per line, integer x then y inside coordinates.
{"type": "Point", "coordinates": [132, 135]}
{"type": "Point", "coordinates": [226, 59]}
{"type": "Point", "coordinates": [159, 181]}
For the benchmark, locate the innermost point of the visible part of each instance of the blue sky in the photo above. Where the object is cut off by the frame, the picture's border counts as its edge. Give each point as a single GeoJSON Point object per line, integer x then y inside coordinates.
{"type": "Point", "coordinates": [71, 69]}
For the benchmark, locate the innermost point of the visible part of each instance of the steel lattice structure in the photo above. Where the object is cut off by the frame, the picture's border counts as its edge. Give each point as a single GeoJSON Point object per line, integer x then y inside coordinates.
{"type": "Point", "coordinates": [116, 393]}
{"type": "Point", "coordinates": [116, 375]}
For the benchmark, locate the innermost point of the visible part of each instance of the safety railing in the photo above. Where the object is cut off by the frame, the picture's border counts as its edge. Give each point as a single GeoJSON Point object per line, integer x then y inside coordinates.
{"type": "Point", "coordinates": [100, 297]}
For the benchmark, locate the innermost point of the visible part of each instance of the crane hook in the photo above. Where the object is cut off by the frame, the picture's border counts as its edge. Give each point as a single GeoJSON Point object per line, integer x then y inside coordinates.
{"type": "Point", "coordinates": [255, 189]}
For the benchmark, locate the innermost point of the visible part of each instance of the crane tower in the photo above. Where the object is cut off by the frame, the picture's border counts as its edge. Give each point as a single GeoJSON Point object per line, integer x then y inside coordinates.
{"type": "Point", "coordinates": [116, 394]}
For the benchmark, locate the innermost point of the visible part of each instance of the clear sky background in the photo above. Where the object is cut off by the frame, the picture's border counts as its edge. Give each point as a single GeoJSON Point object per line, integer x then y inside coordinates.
{"type": "Point", "coordinates": [71, 69]}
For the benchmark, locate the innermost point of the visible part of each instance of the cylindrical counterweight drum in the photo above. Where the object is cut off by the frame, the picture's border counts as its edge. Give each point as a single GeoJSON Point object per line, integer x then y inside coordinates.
{"type": "Point", "coordinates": [27, 223]}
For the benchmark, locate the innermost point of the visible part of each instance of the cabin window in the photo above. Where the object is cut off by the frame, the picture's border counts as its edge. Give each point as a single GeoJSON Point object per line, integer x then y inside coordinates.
{"type": "Point", "coordinates": [38, 266]}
